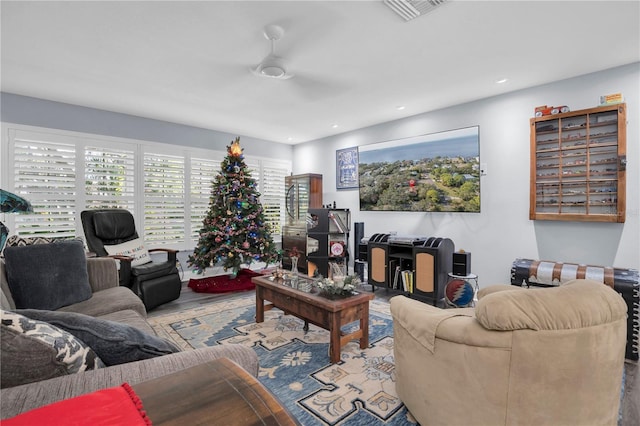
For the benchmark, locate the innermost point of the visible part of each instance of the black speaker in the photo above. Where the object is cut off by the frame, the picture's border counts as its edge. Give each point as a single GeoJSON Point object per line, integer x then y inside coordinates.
{"type": "Point", "coordinates": [360, 250]}
{"type": "Point", "coordinates": [461, 264]}
{"type": "Point", "coordinates": [358, 235]}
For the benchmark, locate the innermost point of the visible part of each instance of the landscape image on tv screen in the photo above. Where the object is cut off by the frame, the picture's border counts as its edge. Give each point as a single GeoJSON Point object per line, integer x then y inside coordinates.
{"type": "Point", "coordinates": [439, 172]}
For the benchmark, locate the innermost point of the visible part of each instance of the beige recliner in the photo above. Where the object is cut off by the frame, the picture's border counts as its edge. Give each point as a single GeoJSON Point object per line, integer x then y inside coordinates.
{"type": "Point", "coordinates": [551, 356]}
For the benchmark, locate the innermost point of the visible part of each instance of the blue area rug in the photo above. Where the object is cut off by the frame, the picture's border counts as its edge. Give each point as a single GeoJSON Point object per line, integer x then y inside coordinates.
{"type": "Point", "coordinates": [294, 365]}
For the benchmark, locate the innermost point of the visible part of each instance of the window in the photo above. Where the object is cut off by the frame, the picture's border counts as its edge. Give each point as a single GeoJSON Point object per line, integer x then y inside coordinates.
{"type": "Point", "coordinates": [271, 188]}
{"type": "Point", "coordinates": [270, 182]}
{"type": "Point", "coordinates": [202, 172]}
{"type": "Point", "coordinates": [164, 199]}
{"type": "Point", "coordinates": [44, 172]}
{"type": "Point", "coordinates": [166, 187]}
{"type": "Point", "coordinates": [109, 178]}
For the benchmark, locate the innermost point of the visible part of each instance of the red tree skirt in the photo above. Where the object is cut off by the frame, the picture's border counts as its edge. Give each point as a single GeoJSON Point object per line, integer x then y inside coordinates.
{"type": "Point", "coordinates": [224, 283]}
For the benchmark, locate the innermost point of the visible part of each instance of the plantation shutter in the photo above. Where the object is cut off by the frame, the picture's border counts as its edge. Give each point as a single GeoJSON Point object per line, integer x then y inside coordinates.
{"type": "Point", "coordinates": [109, 178]}
{"type": "Point", "coordinates": [44, 173]}
{"type": "Point", "coordinates": [273, 195]}
{"type": "Point", "coordinates": [64, 173]}
{"type": "Point", "coordinates": [164, 199]}
{"type": "Point", "coordinates": [203, 172]}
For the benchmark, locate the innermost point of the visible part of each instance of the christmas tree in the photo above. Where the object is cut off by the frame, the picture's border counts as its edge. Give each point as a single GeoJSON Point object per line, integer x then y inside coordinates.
{"type": "Point", "coordinates": [234, 231]}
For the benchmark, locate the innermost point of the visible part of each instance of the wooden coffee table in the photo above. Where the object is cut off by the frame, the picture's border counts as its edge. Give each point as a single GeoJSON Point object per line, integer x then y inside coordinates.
{"type": "Point", "coordinates": [219, 392]}
{"type": "Point", "coordinates": [325, 313]}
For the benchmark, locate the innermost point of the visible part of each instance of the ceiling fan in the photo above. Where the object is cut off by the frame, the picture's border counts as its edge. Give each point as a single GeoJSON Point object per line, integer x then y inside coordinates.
{"type": "Point", "coordinates": [272, 66]}
{"type": "Point", "coordinates": [310, 86]}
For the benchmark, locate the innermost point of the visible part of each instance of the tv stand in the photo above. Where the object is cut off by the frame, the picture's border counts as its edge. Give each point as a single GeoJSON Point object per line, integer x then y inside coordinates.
{"type": "Point", "coordinates": [417, 267]}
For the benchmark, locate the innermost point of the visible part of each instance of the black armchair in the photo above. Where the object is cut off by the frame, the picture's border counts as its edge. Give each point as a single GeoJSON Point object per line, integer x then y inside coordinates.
{"type": "Point", "coordinates": [154, 282]}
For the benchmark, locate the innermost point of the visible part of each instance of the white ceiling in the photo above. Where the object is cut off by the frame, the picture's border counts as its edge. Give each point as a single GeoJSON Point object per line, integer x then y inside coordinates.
{"type": "Point", "coordinates": [354, 62]}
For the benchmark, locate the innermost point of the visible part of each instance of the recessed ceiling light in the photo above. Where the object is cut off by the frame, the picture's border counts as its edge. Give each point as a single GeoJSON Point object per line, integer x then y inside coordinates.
{"type": "Point", "coordinates": [400, 107]}
{"type": "Point", "coordinates": [289, 138]}
{"type": "Point", "coordinates": [502, 80]}
{"type": "Point", "coordinates": [335, 126]}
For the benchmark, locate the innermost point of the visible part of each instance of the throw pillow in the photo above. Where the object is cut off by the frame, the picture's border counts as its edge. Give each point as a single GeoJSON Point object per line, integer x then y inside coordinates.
{"type": "Point", "coordinates": [34, 350]}
{"type": "Point", "coordinates": [114, 342]}
{"type": "Point", "coordinates": [134, 248]}
{"type": "Point", "coordinates": [16, 240]}
{"type": "Point", "coordinates": [47, 276]}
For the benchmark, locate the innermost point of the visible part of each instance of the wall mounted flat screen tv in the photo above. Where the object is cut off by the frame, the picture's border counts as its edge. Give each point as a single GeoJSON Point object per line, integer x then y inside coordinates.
{"type": "Point", "coordinates": [438, 172]}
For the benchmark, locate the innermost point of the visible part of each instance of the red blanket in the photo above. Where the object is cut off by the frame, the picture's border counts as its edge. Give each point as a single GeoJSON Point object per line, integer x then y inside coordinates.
{"type": "Point", "coordinates": [108, 407]}
{"type": "Point", "coordinates": [224, 283]}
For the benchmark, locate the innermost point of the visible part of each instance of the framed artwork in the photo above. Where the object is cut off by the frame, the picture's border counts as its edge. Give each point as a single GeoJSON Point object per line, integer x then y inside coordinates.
{"type": "Point", "coordinates": [347, 168]}
{"type": "Point", "coordinates": [438, 172]}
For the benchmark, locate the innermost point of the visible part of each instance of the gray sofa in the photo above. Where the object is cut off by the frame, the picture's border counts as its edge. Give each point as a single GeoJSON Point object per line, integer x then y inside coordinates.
{"type": "Point", "coordinates": [112, 302]}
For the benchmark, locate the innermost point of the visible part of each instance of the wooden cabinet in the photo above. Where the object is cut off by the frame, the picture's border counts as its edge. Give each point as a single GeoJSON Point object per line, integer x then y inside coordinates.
{"type": "Point", "coordinates": [303, 192]}
{"type": "Point", "coordinates": [578, 165]}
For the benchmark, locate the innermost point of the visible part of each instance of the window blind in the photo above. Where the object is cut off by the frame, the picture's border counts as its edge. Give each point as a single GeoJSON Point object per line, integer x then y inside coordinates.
{"type": "Point", "coordinates": [203, 172]}
{"type": "Point", "coordinates": [44, 173]}
{"type": "Point", "coordinates": [166, 188]}
{"type": "Point", "coordinates": [164, 199]}
{"type": "Point", "coordinates": [109, 178]}
{"type": "Point", "coordinates": [273, 197]}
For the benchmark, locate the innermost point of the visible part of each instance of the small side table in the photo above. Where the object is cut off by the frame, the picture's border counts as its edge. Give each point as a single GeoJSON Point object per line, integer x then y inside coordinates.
{"type": "Point", "coordinates": [218, 392]}
{"type": "Point", "coordinates": [468, 278]}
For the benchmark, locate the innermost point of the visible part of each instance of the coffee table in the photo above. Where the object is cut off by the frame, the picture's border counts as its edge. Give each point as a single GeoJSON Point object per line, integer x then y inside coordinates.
{"type": "Point", "coordinates": [329, 314]}
{"type": "Point", "coordinates": [218, 392]}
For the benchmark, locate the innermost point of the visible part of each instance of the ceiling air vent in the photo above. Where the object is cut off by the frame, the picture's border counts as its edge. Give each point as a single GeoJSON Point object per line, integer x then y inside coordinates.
{"type": "Point", "coordinates": [409, 9]}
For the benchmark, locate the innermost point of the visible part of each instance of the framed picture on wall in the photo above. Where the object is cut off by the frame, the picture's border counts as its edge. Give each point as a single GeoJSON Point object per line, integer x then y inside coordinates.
{"type": "Point", "coordinates": [347, 168]}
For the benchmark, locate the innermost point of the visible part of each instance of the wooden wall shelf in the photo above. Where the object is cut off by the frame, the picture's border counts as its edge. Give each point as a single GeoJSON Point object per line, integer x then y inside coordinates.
{"type": "Point", "coordinates": [578, 165]}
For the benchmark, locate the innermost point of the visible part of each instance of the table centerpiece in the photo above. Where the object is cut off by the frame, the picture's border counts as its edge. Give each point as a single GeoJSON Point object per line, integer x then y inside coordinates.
{"type": "Point", "coordinates": [338, 287]}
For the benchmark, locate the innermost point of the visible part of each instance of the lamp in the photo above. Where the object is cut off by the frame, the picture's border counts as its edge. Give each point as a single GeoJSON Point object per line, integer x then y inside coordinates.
{"type": "Point", "coordinates": [11, 203]}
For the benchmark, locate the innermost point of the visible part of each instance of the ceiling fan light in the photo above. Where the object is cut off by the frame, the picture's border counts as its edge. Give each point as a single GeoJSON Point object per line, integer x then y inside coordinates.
{"type": "Point", "coordinates": [272, 71]}
{"type": "Point", "coordinates": [272, 66]}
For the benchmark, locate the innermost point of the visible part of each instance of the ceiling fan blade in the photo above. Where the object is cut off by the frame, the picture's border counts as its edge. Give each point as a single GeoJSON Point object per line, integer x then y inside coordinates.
{"type": "Point", "coordinates": [315, 89]}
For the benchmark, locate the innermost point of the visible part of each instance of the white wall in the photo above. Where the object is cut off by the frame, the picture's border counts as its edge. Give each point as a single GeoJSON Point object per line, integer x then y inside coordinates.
{"type": "Point", "coordinates": [502, 231]}
{"type": "Point", "coordinates": [30, 111]}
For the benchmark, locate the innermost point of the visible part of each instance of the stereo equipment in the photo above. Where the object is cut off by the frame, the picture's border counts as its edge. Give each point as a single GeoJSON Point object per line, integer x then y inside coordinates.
{"type": "Point", "coordinates": [406, 240]}
{"type": "Point", "coordinates": [360, 249]}
{"type": "Point", "coordinates": [358, 235]}
{"type": "Point", "coordinates": [461, 264]}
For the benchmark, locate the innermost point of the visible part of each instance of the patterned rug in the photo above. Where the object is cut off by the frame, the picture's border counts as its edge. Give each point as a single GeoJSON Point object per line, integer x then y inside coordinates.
{"type": "Point", "coordinates": [294, 365]}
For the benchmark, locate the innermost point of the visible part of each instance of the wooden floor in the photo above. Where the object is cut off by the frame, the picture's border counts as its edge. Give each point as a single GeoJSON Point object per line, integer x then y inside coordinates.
{"type": "Point", "coordinates": [189, 299]}
{"type": "Point", "coordinates": [631, 401]}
